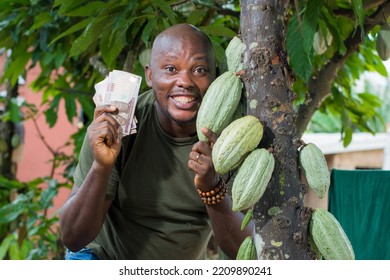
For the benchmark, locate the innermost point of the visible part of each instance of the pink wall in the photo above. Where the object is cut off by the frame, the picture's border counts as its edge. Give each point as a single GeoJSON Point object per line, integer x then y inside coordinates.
{"type": "Point", "coordinates": [35, 157]}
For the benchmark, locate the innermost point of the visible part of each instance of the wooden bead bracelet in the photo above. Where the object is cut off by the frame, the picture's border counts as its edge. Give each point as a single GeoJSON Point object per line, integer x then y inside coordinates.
{"type": "Point", "coordinates": [216, 195]}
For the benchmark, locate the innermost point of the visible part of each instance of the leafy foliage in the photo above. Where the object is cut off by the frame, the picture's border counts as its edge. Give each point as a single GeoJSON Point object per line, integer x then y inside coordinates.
{"type": "Point", "coordinates": [68, 40]}
{"type": "Point", "coordinates": [75, 43]}
{"type": "Point", "coordinates": [25, 230]}
{"type": "Point", "coordinates": [341, 20]}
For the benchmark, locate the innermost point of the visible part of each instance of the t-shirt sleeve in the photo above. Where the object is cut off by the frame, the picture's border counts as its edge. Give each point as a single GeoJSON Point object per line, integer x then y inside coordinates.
{"type": "Point", "coordinates": [84, 165]}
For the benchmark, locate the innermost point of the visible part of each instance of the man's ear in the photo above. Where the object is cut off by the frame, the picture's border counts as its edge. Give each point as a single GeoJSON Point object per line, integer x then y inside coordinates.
{"type": "Point", "coordinates": [148, 75]}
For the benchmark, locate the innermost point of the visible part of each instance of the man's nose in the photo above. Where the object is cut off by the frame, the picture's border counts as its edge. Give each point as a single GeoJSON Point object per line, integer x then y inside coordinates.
{"type": "Point", "coordinates": [185, 79]}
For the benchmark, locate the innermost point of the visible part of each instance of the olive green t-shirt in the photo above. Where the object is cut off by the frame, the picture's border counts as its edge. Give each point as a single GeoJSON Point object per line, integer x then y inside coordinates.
{"type": "Point", "coordinates": [156, 212]}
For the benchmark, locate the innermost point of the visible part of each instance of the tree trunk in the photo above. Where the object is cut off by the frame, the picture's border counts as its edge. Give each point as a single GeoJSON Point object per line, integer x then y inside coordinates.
{"type": "Point", "coordinates": [7, 129]}
{"type": "Point", "coordinates": [280, 217]}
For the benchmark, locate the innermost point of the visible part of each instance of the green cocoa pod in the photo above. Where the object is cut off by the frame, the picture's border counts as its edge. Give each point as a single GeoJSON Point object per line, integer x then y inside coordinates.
{"type": "Point", "coordinates": [320, 45]}
{"type": "Point", "coordinates": [238, 139]}
{"type": "Point", "coordinates": [329, 236]}
{"type": "Point", "coordinates": [232, 60]}
{"type": "Point", "coordinates": [247, 219]}
{"type": "Point", "coordinates": [315, 168]}
{"type": "Point", "coordinates": [144, 56]}
{"type": "Point", "coordinates": [219, 104]}
{"type": "Point", "coordinates": [247, 250]}
{"type": "Point", "coordinates": [252, 179]}
{"type": "Point", "coordinates": [313, 247]}
{"type": "Point", "coordinates": [383, 43]}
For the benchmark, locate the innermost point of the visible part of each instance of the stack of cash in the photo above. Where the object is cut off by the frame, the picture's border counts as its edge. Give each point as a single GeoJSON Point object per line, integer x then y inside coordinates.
{"type": "Point", "coordinates": [120, 89]}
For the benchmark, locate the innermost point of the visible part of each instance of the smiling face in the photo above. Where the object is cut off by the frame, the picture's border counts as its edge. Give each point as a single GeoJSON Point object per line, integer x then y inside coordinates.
{"type": "Point", "coordinates": [182, 68]}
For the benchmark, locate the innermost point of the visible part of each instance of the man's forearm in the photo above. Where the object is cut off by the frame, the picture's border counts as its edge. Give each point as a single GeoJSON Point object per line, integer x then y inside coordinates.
{"type": "Point", "coordinates": [227, 227]}
{"type": "Point", "coordinates": [83, 214]}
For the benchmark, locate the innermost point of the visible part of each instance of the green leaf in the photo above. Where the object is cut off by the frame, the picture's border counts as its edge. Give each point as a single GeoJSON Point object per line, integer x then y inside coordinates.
{"type": "Point", "coordinates": [87, 105]}
{"type": "Point", "coordinates": [5, 244]}
{"type": "Point", "coordinates": [10, 184]}
{"type": "Point", "coordinates": [195, 17]}
{"type": "Point", "coordinates": [299, 59]}
{"type": "Point", "coordinates": [247, 218]}
{"type": "Point", "coordinates": [70, 106]}
{"type": "Point", "coordinates": [347, 136]}
{"type": "Point", "coordinates": [358, 9]}
{"type": "Point", "coordinates": [166, 9]}
{"type": "Point", "coordinates": [17, 66]}
{"type": "Point", "coordinates": [11, 211]}
{"type": "Point", "coordinates": [310, 22]}
{"type": "Point", "coordinates": [334, 29]}
{"type": "Point", "coordinates": [91, 34]}
{"type": "Point", "coordinates": [40, 20]}
{"type": "Point", "coordinates": [82, 24]}
{"type": "Point", "coordinates": [67, 5]}
{"type": "Point", "coordinates": [218, 49]}
{"type": "Point", "coordinates": [51, 113]}
{"type": "Point", "coordinates": [14, 252]}
{"type": "Point", "coordinates": [48, 194]}
{"type": "Point", "coordinates": [60, 58]}
{"type": "Point", "coordinates": [25, 248]}
{"type": "Point", "coordinates": [91, 8]}
{"type": "Point", "coordinates": [217, 30]}
{"type": "Point", "coordinates": [113, 40]}
{"type": "Point", "coordinates": [14, 111]}
{"type": "Point", "coordinates": [150, 26]}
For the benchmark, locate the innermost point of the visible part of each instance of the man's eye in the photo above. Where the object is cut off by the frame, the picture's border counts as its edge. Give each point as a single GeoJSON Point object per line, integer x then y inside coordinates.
{"type": "Point", "coordinates": [170, 69]}
{"type": "Point", "coordinates": [200, 70]}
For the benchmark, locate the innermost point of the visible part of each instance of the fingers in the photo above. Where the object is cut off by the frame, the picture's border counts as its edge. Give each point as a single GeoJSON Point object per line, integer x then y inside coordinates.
{"type": "Point", "coordinates": [105, 131]}
{"type": "Point", "coordinates": [210, 135]}
{"type": "Point", "coordinates": [100, 110]}
{"type": "Point", "coordinates": [203, 168]}
{"type": "Point", "coordinates": [104, 127]}
{"type": "Point", "coordinates": [200, 163]}
{"type": "Point", "coordinates": [197, 157]}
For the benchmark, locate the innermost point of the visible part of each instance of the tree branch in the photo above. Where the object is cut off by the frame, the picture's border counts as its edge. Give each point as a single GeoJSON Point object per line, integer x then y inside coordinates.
{"type": "Point", "coordinates": [133, 52]}
{"type": "Point", "coordinates": [99, 65]}
{"type": "Point", "coordinates": [319, 87]}
{"type": "Point", "coordinates": [366, 6]}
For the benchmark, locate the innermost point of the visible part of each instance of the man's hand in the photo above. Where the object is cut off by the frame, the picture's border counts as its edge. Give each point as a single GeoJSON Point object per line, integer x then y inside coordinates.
{"type": "Point", "coordinates": [200, 161]}
{"type": "Point", "coordinates": [104, 135]}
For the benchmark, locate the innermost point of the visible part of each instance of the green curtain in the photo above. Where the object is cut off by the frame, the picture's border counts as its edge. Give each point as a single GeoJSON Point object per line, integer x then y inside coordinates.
{"type": "Point", "coordinates": [360, 201]}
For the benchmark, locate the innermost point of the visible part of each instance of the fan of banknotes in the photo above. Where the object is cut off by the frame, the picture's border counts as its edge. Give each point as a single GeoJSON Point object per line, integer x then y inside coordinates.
{"type": "Point", "coordinates": [120, 89]}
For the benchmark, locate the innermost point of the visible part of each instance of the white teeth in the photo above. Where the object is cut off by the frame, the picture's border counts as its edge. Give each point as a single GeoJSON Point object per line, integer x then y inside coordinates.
{"type": "Point", "coordinates": [184, 99]}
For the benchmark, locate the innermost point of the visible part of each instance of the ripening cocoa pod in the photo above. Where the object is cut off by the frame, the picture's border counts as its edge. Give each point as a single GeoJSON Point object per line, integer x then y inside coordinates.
{"type": "Point", "coordinates": [320, 45]}
{"type": "Point", "coordinates": [219, 104]}
{"type": "Point", "coordinates": [247, 250]}
{"type": "Point", "coordinates": [232, 60]}
{"type": "Point", "coordinates": [329, 236]}
{"type": "Point", "coordinates": [144, 56]}
{"type": "Point", "coordinates": [235, 142]}
{"type": "Point", "coordinates": [252, 179]}
{"type": "Point", "coordinates": [313, 247]}
{"type": "Point", "coordinates": [315, 168]}
{"type": "Point", "coordinates": [383, 43]}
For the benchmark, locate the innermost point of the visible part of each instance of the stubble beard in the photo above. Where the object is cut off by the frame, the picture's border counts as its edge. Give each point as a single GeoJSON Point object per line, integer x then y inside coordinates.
{"type": "Point", "coordinates": [180, 122]}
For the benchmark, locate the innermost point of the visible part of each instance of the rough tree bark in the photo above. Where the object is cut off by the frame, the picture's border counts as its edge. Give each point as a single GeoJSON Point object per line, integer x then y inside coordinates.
{"type": "Point", "coordinates": [280, 217]}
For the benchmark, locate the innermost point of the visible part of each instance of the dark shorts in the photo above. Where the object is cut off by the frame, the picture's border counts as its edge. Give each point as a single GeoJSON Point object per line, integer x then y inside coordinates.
{"type": "Point", "coordinates": [83, 254]}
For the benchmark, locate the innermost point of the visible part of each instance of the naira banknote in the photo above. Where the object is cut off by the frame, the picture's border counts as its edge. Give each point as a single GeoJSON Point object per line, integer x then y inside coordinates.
{"type": "Point", "coordinates": [120, 89]}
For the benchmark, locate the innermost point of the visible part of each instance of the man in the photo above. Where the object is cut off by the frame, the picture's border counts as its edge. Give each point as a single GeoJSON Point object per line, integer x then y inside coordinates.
{"type": "Point", "coordinates": [137, 198]}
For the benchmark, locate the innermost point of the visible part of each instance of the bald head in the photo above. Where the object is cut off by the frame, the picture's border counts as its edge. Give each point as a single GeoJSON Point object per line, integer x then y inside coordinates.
{"type": "Point", "coordinates": [183, 30]}
{"type": "Point", "coordinates": [174, 36]}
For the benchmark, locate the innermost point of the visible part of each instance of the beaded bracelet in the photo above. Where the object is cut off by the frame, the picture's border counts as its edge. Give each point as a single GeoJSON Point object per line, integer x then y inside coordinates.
{"type": "Point", "coordinates": [216, 195]}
